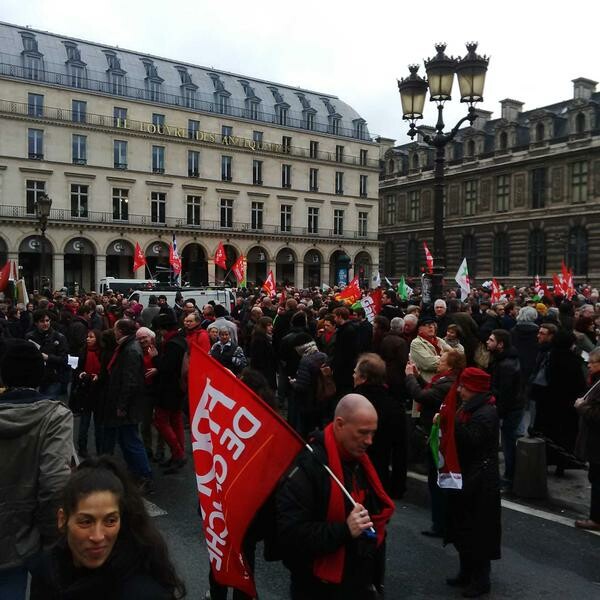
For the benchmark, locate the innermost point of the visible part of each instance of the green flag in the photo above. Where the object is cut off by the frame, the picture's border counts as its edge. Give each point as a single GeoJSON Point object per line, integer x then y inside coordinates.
{"type": "Point", "coordinates": [402, 289]}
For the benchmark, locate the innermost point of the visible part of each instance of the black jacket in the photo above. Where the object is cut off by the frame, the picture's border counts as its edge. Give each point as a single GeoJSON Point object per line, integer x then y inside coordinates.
{"type": "Point", "coordinates": [262, 357]}
{"type": "Point", "coordinates": [524, 339]}
{"type": "Point", "coordinates": [53, 344]}
{"type": "Point", "coordinates": [125, 389]}
{"type": "Point", "coordinates": [588, 439]}
{"type": "Point", "coordinates": [345, 353]}
{"type": "Point", "coordinates": [429, 397]}
{"type": "Point", "coordinates": [76, 334]}
{"type": "Point", "coordinates": [394, 351]}
{"type": "Point", "coordinates": [304, 533]}
{"type": "Point", "coordinates": [474, 524]}
{"type": "Point", "coordinates": [505, 372]}
{"type": "Point", "coordinates": [290, 359]}
{"type": "Point", "coordinates": [121, 578]}
{"type": "Point", "coordinates": [168, 391]}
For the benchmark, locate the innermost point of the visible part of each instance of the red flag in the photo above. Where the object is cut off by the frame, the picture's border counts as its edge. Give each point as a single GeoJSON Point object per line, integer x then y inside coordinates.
{"type": "Point", "coordinates": [351, 293]}
{"type": "Point", "coordinates": [496, 292]}
{"type": "Point", "coordinates": [239, 268]}
{"type": "Point", "coordinates": [536, 284]}
{"type": "Point", "coordinates": [558, 285]}
{"type": "Point", "coordinates": [4, 276]}
{"type": "Point", "coordinates": [372, 304]}
{"type": "Point", "coordinates": [139, 260]}
{"type": "Point", "coordinates": [544, 291]}
{"type": "Point", "coordinates": [269, 284]}
{"type": "Point", "coordinates": [174, 258]}
{"type": "Point", "coordinates": [567, 280]}
{"type": "Point", "coordinates": [221, 257]}
{"type": "Point", "coordinates": [428, 258]}
{"type": "Point", "coordinates": [241, 449]}
{"type": "Point", "coordinates": [282, 297]}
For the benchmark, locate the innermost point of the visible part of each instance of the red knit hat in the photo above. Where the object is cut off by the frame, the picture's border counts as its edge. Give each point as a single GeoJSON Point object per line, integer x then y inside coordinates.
{"type": "Point", "coordinates": [475, 380]}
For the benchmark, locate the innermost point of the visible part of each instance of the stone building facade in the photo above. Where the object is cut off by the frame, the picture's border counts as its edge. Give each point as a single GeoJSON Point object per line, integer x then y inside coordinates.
{"type": "Point", "coordinates": [135, 148]}
{"type": "Point", "coordinates": [522, 193]}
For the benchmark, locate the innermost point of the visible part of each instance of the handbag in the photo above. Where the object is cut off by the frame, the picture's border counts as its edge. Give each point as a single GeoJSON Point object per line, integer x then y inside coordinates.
{"type": "Point", "coordinates": [541, 376]}
{"type": "Point", "coordinates": [325, 389]}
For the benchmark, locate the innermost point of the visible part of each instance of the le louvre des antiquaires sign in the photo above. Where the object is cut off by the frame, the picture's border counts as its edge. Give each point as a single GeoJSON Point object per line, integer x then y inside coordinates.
{"type": "Point", "coordinates": [200, 136]}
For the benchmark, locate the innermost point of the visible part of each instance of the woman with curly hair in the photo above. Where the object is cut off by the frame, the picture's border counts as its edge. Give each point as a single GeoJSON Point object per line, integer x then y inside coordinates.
{"type": "Point", "coordinates": [109, 546]}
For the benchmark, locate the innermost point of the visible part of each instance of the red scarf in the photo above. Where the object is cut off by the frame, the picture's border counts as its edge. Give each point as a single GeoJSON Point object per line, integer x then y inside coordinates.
{"type": "Point", "coordinates": [449, 473]}
{"type": "Point", "coordinates": [434, 342]}
{"type": "Point", "coordinates": [92, 363]}
{"type": "Point", "coordinates": [330, 567]}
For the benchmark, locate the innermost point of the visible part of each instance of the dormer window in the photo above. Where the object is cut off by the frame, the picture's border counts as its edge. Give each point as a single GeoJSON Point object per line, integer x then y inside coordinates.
{"type": "Point", "coordinates": [29, 42]}
{"type": "Point", "coordinates": [580, 123]}
{"type": "Point", "coordinates": [503, 140]}
{"type": "Point", "coordinates": [334, 125]}
{"type": "Point", "coordinates": [540, 132]}
{"type": "Point", "coordinates": [282, 114]}
{"type": "Point", "coordinates": [73, 53]}
{"type": "Point", "coordinates": [188, 87]}
{"type": "Point", "coordinates": [471, 148]}
{"type": "Point", "coordinates": [153, 81]}
{"type": "Point", "coordinates": [359, 128]}
{"type": "Point", "coordinates": [114, 64]}
{"type": "Point", "coordinates": [415, 161]}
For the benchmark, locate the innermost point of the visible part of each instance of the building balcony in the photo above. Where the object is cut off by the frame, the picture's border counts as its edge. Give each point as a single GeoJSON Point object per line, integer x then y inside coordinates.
{"type": "Point", "coordinates": [110, 123]}
{"type": "Point", "coordinates": [65, 215]}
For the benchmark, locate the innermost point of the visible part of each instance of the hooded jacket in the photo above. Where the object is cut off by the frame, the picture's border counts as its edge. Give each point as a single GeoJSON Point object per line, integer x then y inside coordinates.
{"type": "Point", "coordinates": [36, 443]}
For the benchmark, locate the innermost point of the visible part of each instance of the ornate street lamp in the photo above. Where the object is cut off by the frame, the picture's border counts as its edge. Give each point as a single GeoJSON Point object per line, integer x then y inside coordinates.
{"type": "Point", "coordinates": [440, 69]}
{"type": "Point", "coordinates": [42, 211]}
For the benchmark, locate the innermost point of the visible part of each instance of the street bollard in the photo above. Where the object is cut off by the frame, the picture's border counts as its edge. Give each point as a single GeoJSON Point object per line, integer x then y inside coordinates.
{"type": "Point", "coordinates": [530, 470]}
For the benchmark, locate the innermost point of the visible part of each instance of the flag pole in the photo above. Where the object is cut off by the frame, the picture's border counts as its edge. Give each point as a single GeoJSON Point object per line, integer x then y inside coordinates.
{"type": "Point", "coordinates": [340, 484]}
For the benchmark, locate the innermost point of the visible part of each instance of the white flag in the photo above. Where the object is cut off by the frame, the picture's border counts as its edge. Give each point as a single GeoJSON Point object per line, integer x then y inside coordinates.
{"type": "Point", "coordinates": [376, 280]}
{"type": "Point", "coordinates": [462, 278]}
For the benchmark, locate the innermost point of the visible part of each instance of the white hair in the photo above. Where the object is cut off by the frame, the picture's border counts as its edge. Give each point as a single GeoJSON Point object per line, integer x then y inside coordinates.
{"type": "Point", "coordinates": [397, 324]}
{"type": "Point", "coordinates": [439, 302]}
{"type": "Point", "coordinates": [142, 331]}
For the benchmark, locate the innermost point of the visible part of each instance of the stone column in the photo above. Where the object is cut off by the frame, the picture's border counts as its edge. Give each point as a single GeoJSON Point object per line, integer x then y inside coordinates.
{"type": "Point", "coordinates": [299, 274]}
{"type": "Point", "coordinates": [100, 269]}
{"type": "Point", "coordinates": [58, 271]}
{"type": "Point", "coordinates": [325, 273]}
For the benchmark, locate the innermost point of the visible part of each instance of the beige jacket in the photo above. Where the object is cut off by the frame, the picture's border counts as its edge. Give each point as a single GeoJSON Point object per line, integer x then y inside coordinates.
{"type": "Point", "coordinates": [426, 359]}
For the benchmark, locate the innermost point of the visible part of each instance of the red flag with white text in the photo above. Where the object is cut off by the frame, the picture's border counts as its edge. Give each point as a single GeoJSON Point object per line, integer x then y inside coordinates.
{"type": "Point", "coordinates": [496, 292]}
{"type": "Point", "coordinates": [221, 257]}
{"type": "Point", "coordinates": [269, 284]}
{"type": "Point", "coordinates": [174, 258]}
{"type": "Point", "coordinates": [139, 260]}
{"type": "Point", "coordinates": [428, 258]}
{"type": "Point", "coordinates": [241, 448]}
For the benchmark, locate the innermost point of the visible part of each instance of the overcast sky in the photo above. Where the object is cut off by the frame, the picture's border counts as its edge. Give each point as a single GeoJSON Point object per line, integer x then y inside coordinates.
{"type": "Point", "coordinates": [355, 50]}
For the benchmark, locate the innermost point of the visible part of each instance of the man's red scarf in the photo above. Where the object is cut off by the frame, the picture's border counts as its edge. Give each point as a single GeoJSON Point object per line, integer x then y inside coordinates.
{"type": "Point", "coordinates": [330, 567]}
{"type": "Point", "coordinates": [433, 340]}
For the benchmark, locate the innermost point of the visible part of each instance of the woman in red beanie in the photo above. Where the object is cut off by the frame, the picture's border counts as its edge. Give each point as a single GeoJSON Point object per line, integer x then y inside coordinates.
{"type": "Point", "coordinates": [474, 511]}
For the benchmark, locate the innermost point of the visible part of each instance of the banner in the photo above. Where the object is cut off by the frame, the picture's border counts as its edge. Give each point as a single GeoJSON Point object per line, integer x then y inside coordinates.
{"type": "Point", "coordinates": [428, 258]}
{"type": "Point", "coordinates": [239, 270]}
{"type": "Point", "coordinates": [462, 278]}
{"type": "Point", "coordinates": [241, 448]}
{"type": "Point", "coordinates": [404, 290]}
{"type": "Point", "coordinates": [351, 293]}
{"type": "Point", "coordinates": [139, 260]}
{"type": "Point", "coordinates": [269, 284]}
{"type": "Point", "coordinates": [4, 276]}
{"type": "Point", "coordinates": [174, 258]}
{"type": "Point", "coordinates": [221, 257]}
{"type": "Point", "coordinates": [376, 280]}
{"type": "Point", "coordinates": [371, 304]}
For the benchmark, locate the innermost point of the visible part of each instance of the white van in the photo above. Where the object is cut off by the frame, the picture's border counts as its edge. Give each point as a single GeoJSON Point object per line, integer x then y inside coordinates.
{"type": "Point", "coordinates": [124, 285]}
{"type": "Point", "coordinates": [202, 296]}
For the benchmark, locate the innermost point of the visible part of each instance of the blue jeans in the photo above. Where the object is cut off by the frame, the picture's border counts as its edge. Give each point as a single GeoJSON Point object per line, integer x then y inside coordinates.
{"type": "Point", "coordinates": [84, 426]}
{"type": "Point", "coordinates": [13, 583]}
{"type": "Point", "coordinates": [511, 432]}
{"type": "Point", "coordinates": [131, 446]}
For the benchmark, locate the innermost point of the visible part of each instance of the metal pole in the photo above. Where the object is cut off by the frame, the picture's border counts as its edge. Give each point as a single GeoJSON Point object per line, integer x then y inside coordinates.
{"type": "Point", "coordinates": [42, 257]}
{"type": "Point", "coordinates": [439, 246]}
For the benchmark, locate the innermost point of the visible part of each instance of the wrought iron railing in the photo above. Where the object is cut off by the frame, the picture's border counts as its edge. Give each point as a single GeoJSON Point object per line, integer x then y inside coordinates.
{"type": "Point", "coordinates": [61, 215]}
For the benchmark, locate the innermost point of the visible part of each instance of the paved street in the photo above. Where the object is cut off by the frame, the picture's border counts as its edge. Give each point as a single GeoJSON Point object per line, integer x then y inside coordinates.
{"type": "Point", "coordinates": [541, 558]}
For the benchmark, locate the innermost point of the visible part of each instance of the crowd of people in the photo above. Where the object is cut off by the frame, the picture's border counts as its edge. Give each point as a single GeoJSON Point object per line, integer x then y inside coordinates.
{"type": "Point", "coordinates": [364, 394]}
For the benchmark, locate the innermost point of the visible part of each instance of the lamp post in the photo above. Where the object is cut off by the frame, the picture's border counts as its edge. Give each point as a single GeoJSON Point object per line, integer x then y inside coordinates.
{"type": "Point", "coordinates": [440, 69]}
{"type": "Point", "coordinates": [42, 211]}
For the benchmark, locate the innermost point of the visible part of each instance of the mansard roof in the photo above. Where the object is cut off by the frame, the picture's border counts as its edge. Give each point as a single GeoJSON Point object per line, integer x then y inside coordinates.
{"type": "Point", "coordinates": [172, 76]}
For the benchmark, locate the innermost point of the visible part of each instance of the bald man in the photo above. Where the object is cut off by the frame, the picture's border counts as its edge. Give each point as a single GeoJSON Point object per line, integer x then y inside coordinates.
{"type": "Point", "coordinates": [334, 549]}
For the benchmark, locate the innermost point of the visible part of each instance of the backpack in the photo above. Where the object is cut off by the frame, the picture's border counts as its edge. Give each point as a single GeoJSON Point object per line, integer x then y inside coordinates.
{"type": "Point", "coordinates": [325, 388]}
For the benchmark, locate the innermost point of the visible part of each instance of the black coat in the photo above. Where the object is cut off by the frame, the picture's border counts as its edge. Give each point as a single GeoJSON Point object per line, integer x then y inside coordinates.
{"type": "Point", "coordinates": [121, 578]}
{"type": "Point", "coordinates": [262, 357]}
{"type": "Point", "coordinates": [125, 389]}
{"type": "Point", "coordinates": [54, 344]}
{"type": "Point", "coordinates": [429, 397]}
{"type": "Point", "coordinates": [524, 339]}
{"type": "Point", "coordinates": [290, 359]}
{"type": "Point", "coordinates": [304, 533]}
{"type": "Point", "coordinates": [504, 369]}
{"type": "Point", "coordinates": [389, 427]}
{"type": "Point", "coordinates": [474, 513]}
{"type": "Point", "coordinates": [344, 356]}
{"type": "Point", "coordinates": [394, 351]}
{"type": "Point", "coordinates": [76, 334]}
{"type": "Point", "coordinates": [168, 391]}
{"type": "Point", "coordinates": [365, 335]}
